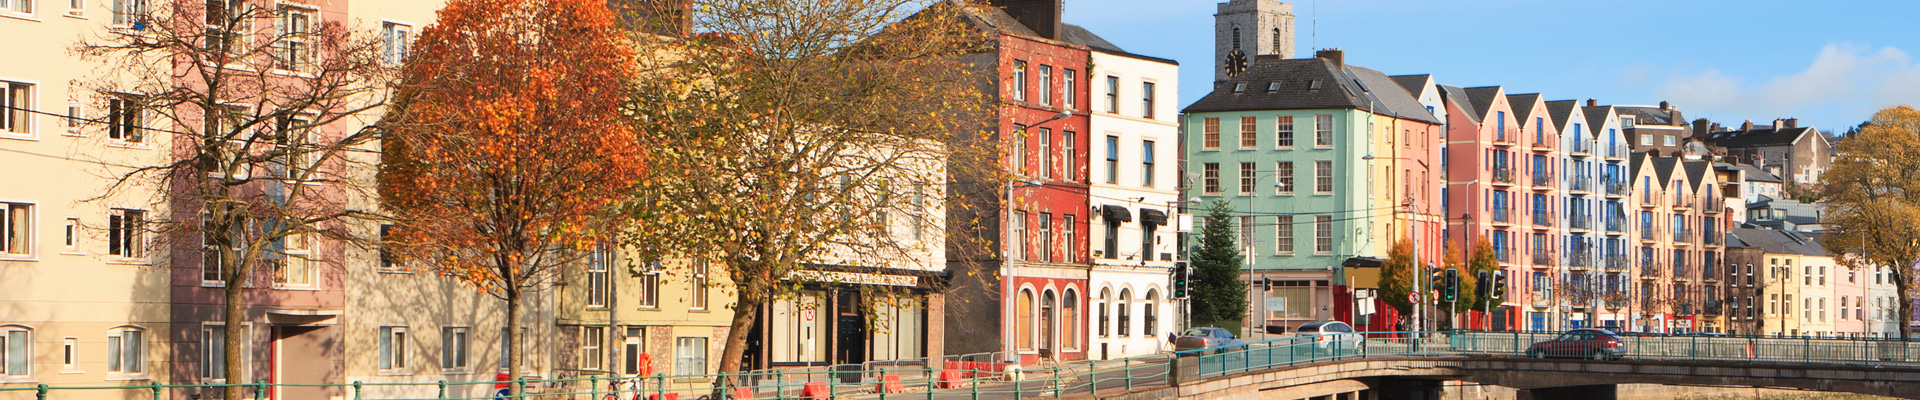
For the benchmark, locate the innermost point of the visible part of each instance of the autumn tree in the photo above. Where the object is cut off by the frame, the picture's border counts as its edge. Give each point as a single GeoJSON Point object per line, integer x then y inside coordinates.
{"type": "Point", "coordinates": [1481, 258]}
{"type": "Point", "coordinates": [249, 104]}
{"type": "Point", "coordinates": [1873, 200]}
{"type": "Point", "coordinates": [506, 157]}
{"type": "Point", "coordinates": [1466, 297]}
{"type": "Point", "coordinates": [1219, 295]}
{"type": "Point", "coordinates": [1397, 278]}
{"type": "Point", "coordinates": [794, 135]}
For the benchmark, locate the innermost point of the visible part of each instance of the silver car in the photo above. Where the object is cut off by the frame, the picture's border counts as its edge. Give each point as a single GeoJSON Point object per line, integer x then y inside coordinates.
{"type": "Point", "coordinates": [1328, 334]}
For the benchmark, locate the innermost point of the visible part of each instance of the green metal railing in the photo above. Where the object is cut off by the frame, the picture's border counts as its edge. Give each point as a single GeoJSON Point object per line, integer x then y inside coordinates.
{"type": "Point", "coordinates": [984, 377]}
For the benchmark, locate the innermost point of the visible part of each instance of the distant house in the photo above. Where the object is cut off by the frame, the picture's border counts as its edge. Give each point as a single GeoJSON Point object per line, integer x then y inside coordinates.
{"type": "Point", "coordinates": [1786, 215]}
{"type": "Point", "coordinates": [1785, 149]}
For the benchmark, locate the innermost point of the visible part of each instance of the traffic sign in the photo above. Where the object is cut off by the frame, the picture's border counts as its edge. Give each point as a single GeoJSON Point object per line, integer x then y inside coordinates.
{"type": "Point", "coordinates": [1413, 298]}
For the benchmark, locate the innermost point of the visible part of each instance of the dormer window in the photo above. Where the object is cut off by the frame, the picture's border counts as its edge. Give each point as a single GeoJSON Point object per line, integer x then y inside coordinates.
{"type": "Point", "coordinates": [1315, 85]}
{"type": "Point", "coordinates": [1273, 86]}
{"type": "Point", "coordinates": [1239, 87]}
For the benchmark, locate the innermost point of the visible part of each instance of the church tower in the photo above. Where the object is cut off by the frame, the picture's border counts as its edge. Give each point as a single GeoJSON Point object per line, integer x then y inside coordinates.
{"type": "Point", "coordinates": [1255, 28]}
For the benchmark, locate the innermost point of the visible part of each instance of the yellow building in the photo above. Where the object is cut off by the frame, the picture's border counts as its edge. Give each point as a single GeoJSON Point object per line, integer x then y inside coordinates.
{"type": "Point", "coordinates": [1798, 285]}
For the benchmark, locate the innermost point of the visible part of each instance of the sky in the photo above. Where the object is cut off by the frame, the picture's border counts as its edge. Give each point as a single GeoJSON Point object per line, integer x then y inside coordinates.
{"type": "Point", "coordinates": [1830, 63]}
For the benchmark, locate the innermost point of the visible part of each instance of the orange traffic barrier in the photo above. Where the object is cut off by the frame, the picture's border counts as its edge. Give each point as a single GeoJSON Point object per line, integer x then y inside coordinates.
{"type": "Point", "coordinates": [949, 379]}
{"type": "Point", "coordinates": [668, 396]}
{"type": "Point", "coordinates": [889, 383]}
{"type": "Point", "coordinates": [816, 390]}
{"type": "Point", "coordinates": [743, 393]}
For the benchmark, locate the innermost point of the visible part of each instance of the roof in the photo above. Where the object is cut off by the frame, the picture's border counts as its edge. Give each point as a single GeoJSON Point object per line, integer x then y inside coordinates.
{"type": "Point", "coordinates": [1780, 242]}
{"type": "Point", "coordinates": [1755, 174]}
{"type": "Point", "coordinates": [1482, 98]}
{"type": "Point", "coordinates": [993, 19]}
{"type": "Point", "coordinates": [1634, 165]}
{"type": "Point", "coordinates": [1663, 169]}
{"type": "Point", "coordinates": [1293, 82]}
{"type": "Point", "coordinates": [1597, 117]}
{"type": "Point", "coordinates": [1079, 35]}
{"type": "Point", "coordinates": [1458, 96]}
{"type": "Point", "coordinates": [1647, 115]}
{"type": "Point", "coordinates": [1414, 84]}
{"type": "Point", "coordinates": [1697, 173]}
{"type": "Point", "coordinates": [1561, 110]}
{"type": "Point", "coordinates": [1734, 242]}
{"type": "Point", "coordinates": [1523, 106]}
{"type": "Point", "coordinates": [1758, 137]}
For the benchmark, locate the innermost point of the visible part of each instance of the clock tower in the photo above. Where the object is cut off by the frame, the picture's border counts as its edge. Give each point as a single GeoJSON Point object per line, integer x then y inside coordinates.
{"type": "Point", "coordinates": [1244, 29]}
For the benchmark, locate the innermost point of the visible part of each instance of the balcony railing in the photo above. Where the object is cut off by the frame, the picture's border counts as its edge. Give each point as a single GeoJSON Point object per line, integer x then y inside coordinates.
{"type": "Point", "coordinates": [1710, 307]}
{"type": "Point", "coordinates": [1580, 259]}
{"type": "Point", "coordinates": [1617, 224]}
{"type": "Point", "coordinates": [1652, 270]}
{"type": "Point", "coordinates": [1683, 236]}
{"type": "Point", "coordinates": [1713, 204]}
{"type": "Point", "coordinates": [1542, 257]}
{"type": "Point", "coordinates": [1618, 262]}
{"type": "Point", "coordinates": [1503, 176]}
{"type": "Point", "coordinates": [1501, 254]}
{"type": "Point", "coordinates": [1581, 148]}
{"type": "Point", "coordinates": [1506, 137]}
{"type": "Point", "coordinates": [1646, 231]}
{"type": "Point", "coordinates": [1710, 272]}
{"type": "Point", "coordinates": [1542, 217]}
{"type": "Point", "coordinates": [1649, 199]}
{"type": "Point", "coordinates": [1682, 271]}
{"type": "Point", "coordinates": [1712, 237]}
{"type": "Point", "coordinates": [1580, 221]}
{"type": "Point", "coordinates": [1542, 179]}
{"type": "Point", "coordinates": [1581, 184]}
{"type": "Point", "coordinates": [1680, 201]}
{"type": "Point", "coordinates": [1617, 151]}
{"type": "Point", "coordinates": [1502, 215]}
{"type": "Point", "coordinates": [1617, 188]}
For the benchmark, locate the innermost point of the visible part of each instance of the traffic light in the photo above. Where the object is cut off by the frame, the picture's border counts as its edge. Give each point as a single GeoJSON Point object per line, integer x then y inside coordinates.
{"type": "Point", "coordinates": [1266, 284]}
{"type": "Point", "coordinates": [1453, 284]}
{"type": "Point", "coordinates": [1436, 281]}
{"type": "Point", "coordinates": [1181, 280]}
{"type": "Point", "coordinates": [1480, 284]}
{"type": "Point", "coordinates": [1500, 284]}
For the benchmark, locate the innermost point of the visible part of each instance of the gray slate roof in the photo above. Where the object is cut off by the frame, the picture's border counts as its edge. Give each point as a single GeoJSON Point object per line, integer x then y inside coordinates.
{"type": "Point", "coordinates": [1482, 98]}
{"type": "Point", "coordinates": [1523, 106]}
{"type": "Point", "coordinates": [1756, 174]}
{"type": "Point", "coordinates": [1663, 168]}
{"type": "Point", "coordinates": [1414, 84]}
{"type": "Point", "coordinates": [1780, 242]}
{"type": "Point", "coordinates": [1458, 97]}
{"type": "Point", "coordinates": [1759, 137]}
{"type": "Point", "coordinates": [1080, 35]}
{"type": "Point", "coordinates": [1697, 173]}
{"type": "Point", "coordinates": [1597, 118]}
{"type": "Point", "coordinates": [1560, 111]}
{"type": "Point", "coordinates": [1341, 87]}
{"type": "Point", "coordinates": [1644, 115]}
{"type": "Point", "coordinates": [993, 19]}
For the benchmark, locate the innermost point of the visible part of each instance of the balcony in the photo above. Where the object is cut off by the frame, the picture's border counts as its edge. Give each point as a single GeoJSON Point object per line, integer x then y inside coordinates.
{"type": "Point", "coordinates": [1710, 273]}
{"type": "Point", "coordinates": [1712, 238]}
{"type": "Point", "coordinates": [1581, 184]}
{"type": "Point", "coordinates": [1683, 236]}
{"type": "Point", "coordinates": [1502, 176]}
{"type": "Point", "coordinates": [1616, 224]}
{"type": "Point", "coordinates": [1714, 204]}
{"type": "Point", "coordinates": [1682, 271]}
{"type": "Point", "coordinates": [1652, 270]}
{"type": "Point", "coordinates": [1616, 189]}
{"type": "Point", "coordinates": [1646, 232]}
{"type": "Point", "coordinates": [1618, 262]}
{"type": "Point", "coordinates": [1541, 144]}
{"type": "Point", "coordinates": [1650, 200]}
{"type": "Point", "coordinates": [1542, 257]}
{"type": "Point", "coordinates": [1502, 255]}
{"type": "Point", "coordinates": [1711, 307]}
{"type": "Point", "coordinates": [1615, 300]}
{"type": "Point", "coordinates": [1682, 202]}
{"type": "Point", "coordinates": [1580, 260]}
{"type": "Point", "coordinates": [1505, 138]}
{"type": "Point", "coordinates": [1581, 148]}
{"type": "Point", "coordinates": [1542, 180]}
{"type": "Point", "coordinates": [1580, 222]}
{"type": "Point", "coordinates": [1542, 218]}
{"type": "Point", "coordinates": [1618, 152]}
{"type": "Point", "coordinates": [1502, 216]}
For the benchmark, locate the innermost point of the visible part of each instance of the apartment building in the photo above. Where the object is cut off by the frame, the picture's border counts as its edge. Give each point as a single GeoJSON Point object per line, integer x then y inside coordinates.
{"type": "Point", "coordinates": [1799, 154]}
{"type": "Point", "coordinates": [1798, 285]}
{"type": "Point", "coordinates": [1616, 244]}
{"type": "Point", "coordinates": [1274, 141]}
{"type": "Point", "coordinates": [1136, 185]}
{"type": "Point", "coordinates": [1580, 182]}
{"type": "Point", "coordinates": [1487, 183]}
{"type": "Point", "coordinates": [1658, 129]}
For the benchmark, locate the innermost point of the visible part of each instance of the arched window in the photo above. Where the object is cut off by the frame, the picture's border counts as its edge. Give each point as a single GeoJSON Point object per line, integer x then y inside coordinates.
{"type": "Point", "coordinates": [1070, 314]}
{"type": "Point", "coordinates": [1236, 37]}
{"type": "Point", "coordinates": [126, 350]}
{"type": "Point", "coordinates": [16, 351]}
{"type": "Point", "coordinates": [1277, 42]}
{"type": "Point", "coordinates": [1151, 314]}
{"type": "Point", "coordinates": [1106, 316]}
{"type": "Point", "coordinates": [1026, 319]}
{"type": "Point", "coordinates": [1047, 320]}
{"type": "Point", "coordinates": [1126, 312]}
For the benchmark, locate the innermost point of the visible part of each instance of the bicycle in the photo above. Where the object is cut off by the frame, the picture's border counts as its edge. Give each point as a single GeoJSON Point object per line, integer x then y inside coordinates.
{"type": "Point", "coordinates": [633, 386]}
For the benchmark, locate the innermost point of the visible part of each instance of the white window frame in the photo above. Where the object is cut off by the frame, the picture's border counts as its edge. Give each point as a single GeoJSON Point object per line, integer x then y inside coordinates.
{"type": "Point", "coordinates": [456, 347]}
{"type": "Point", "coordinates": [17, 106]}
{"type": "Point", "coordinates": [70, 355]}
{"type": "Point", "coordinates": [127, 13]}
{"type": "Point", "coordinates": [25, 9]}
{"type": "Point", "coordinates": [649, 285]}
{"type": "Point", "coordinates": [285, 57]}
{"type": "Point", "coordinates": [11, 340]}
{"type": "Point", "coordinates": [1323, 131]}
{"type": "Point", "coordinates": [1322, 177]}
{"type": "Point", "coordinates": [72, 240]}
{"type": "Point", "coordinates": [127, 359]}
{"type": "Point", "coordinates": [684, 361]}
{"type": "Point", "coordinates": [394, 50]}
{"type": "Point", "coordinates": [207, 338]}
{"type": "Point", "coordinates": [392, 350]}
{"type": "Point", "coordinates": [77, 8]}
{"type": "Point", "coordinates": [18, 243]}
{"type": "Point", "coordinates": [592, 340]}
{"type": "Point", "coordinates": [697, 284]}
{"type": "Point", "coordinates": [597, 278]}
{"type": "Point", "coordinates": [301, 255]}
{"type": "Point", "coordinates": [124, 126]}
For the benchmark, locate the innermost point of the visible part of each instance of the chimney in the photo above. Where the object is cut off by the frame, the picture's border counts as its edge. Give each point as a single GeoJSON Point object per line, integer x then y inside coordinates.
{"type": "Point", "coordinates": [1746, 126]}
{"type": "Point", "coordinates": [1788, 123]}
{"type": "Point", "coordinates": [1701, 127]}
{"type": "Point", "coordinates": [1593, 103]}
{"type": "Point", "coordinates": [1042, 16]}
{"type": "Point", "coordinates": [1339, 58]}
{"type": "Point", "coordinates": [1663, 105]}
{"type": "Point", "coordinates": [1779, 124]}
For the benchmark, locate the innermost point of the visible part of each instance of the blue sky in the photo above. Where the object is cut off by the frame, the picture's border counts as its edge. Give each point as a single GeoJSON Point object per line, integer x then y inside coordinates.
{"type": "Point", "coordinates": [1830, 63]}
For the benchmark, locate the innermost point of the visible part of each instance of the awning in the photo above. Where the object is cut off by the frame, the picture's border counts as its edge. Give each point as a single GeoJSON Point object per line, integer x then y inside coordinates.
{"type": "Point", "coordinates": [1363, 262]}
{"type": "Point", "coordinates": [1115, 214]}
{"type": "Point", "coordinates": [1152, 216]}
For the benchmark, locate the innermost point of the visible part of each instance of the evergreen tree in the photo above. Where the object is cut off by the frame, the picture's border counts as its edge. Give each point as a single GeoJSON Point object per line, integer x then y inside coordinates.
{"type": "Point", "coordinates": [1219, 296]}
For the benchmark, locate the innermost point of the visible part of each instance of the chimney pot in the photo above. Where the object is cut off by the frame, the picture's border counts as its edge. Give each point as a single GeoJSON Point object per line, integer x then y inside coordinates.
{"type": "Point", "coordinates": [1593, 103]}
{"type": "Point", "coordinates": [1791, 122]}
{"type": "Point", "coordinates": [1339, 58]}
{"type": "Point", "coordinates": [1663, 104]}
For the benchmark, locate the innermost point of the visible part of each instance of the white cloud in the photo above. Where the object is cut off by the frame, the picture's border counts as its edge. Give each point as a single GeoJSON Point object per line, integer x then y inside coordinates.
{"type": "Point", "coordinates": [1841, 74]}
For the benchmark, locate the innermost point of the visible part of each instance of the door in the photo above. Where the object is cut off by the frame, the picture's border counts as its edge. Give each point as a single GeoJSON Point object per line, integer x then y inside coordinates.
{"type": "Point", "coordinates": [304, 355]}
{"type": "Point", "coordinates": [851, 342]}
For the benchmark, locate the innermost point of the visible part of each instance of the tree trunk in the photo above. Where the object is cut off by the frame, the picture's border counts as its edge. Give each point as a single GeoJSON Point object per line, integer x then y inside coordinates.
{"type": "Point", "coordinates": [235, 319]}
{"type": "Point", "coordinates": [510, 341]}
{"type": "Point", "coordinates": [1901, 285]}
{"type": "Point", "coordinates": [744, 312]}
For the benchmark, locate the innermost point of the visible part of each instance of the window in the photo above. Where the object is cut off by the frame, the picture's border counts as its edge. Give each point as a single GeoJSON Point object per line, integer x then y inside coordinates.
{"type": "Point", "coordinates": [1323, 130]}
{"type": "Point", "coordinates": [1019, 152]}
{"type": "Point", "coordinates": [16, 351]}
{"type": "Point", "coordinates": [20, 7]}
{"type": "Point", "coordinates": [1322, 177]}
{"type": "Point", "coordinates": [1019, 80]}
{"type": "Point", "coordinates": [1070, 85]}
{"type": "Point", "coordinates": [1046, 237]}
{"type": "Point", "coordinates": [699, 285]}
{"type": "Point", "coordinates": [1322, 234]}
{"type": "Point", "coordinates": [1046, 85]}
{"type": "Point", "coordinates": [1283, 172]}
{"type": "Point", "coordinates": [123, 117]}
{"type": "Point", "coordinates": [129, 12]}
{"type": "Point", "coordinates": [1249, 139]}
{"type": "Point", "coordinates": [633, 346]}
{"type": "Point", "coordinates": [1283, 234]}
{"type": "Point", "coordinates": [1246, 178]}
{"type": "Point", "coordinates": [1146, 100]}
{"type": "Point", "coordinates": [394, 42]}
{"type": "Point", "coordinates": [126, 233]}
{"type": "Point", "coordinates": [16, 105]}
{"type": "Point", "coordinates": [1025, 304]}
{"type": "Point", "coordinates": [213, 352]}
{"type": "Point", "coordinates": [16, 229]}
{"type": "Point", "coordinates": [389, 262]}
{"type": "Point", "coordinates": [1210, 178]}
{"type": "Point", "coordinates": [293, 26]}
{"type": "Point", "coordinates": [1110, 241]}
{"type": "Point", "coordinates": [1113, 160]}
{"type": "Point", "coordinates": [1146, 163]}
{"type": "Point", "coordinates": [73, 118]}
{"type": "Point", "coordinates": [1645, 139]}
{"type": "Point", "coordinates": [690, 356]}
{"type": "Point", "coordinates": [649, 283]}
{"type": "Point", "coordinates": [1147, 240]}
{"type": "Point", "coordinates": [1211, 133]}
{"type": "Point", "coordinates": [1283, 132]}
{"type": "Point", "coordinates": [1667, 140]}
{"type": "Point", "coordinates": [1126, 312]}
{"type": "Point", "coordinates": [453, 347]}
{"type": "Point", "coordinates": [72, 232]}
{"type": "Point", "coordinates": [1113, 95]}
{"type": "Point", "coordinates": [1017, 245]}
{"type": "Point", "coordinates": [69, 351]}
{"type": "Point", "coordinates": [296, 268]}
{"type": "Point", "coordinates": [597, 277]}
{"type": "Point", "coordinates": [1070, 319]}
{"type": "Point", "coordinates": [591, 337]}
{"type": "Point", "coordinates": [1046, 153]}
{"type": "Point", "coordinates": [393, 349]}
{"type": "Point", "coordinates": [1105, 313]}
{"type": "Point", "coordinates": [1150, 314]}
{"type": "Point", "coordinates": [1069, 157]}
{"type": "Point", "coordinates": [1047, 321]}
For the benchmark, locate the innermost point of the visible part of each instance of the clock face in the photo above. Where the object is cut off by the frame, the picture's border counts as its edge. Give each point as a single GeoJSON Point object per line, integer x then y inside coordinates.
{"type": "Point", "coordinates": [1236, 62]}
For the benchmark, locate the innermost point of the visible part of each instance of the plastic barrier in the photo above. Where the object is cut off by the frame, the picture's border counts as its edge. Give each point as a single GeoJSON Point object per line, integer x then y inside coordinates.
{"type": "Point", "coordinates": [890, 383]}
{"type": "Point", "coordinates": [817, 390]}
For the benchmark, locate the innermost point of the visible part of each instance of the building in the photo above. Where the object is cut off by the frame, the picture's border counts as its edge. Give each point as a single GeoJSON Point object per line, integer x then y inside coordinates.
{"type": "Point", "coordinates": [1658, 129]}
{"type": "Point", "coordinates": [1616, 244]}
{"type": "Point", "coordinates": [1759, 184]}
{"type": "Point", "coordinates": [1252, 28]}
{"type": "Point", "coordinates": [1798, 291]}
{"type": "Point", "coordinates": [1580, 182]}
{"type": "Point", "coordinates": [1032, 284]}
{"type": "Point", "coordinates": [1798, 154]}
{"type": "Point", "coordinates": [1136, 185]}
{"type": "Point", "coordinates": [1483, 170]}
{"type": "Point", "coordinates": [1785, 214]}
{"type": "Point", "coordinates": [1747, 287]}
{"type": "Point", "coordinates": [1272, 141]}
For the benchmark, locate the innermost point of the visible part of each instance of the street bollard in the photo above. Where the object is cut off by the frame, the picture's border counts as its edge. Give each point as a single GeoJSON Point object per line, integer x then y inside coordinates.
{"type": "Point", "coordinates": [260, 389]}
{"type": "Point", "coordinates": [156, 391]}
{"type": "Point", "coordinates": [779, 385]}
{"type": "Point", "coordinates": [661, 379]}
{"type": "Point", "coordinates": [593, 386]}
{"type": "Point", "coordinates": [443, 390]}
{"type": "Point", "coordinates": [356, 391]}
{"type": "Point", "coordinates": [1093, 377]}
{"type": "Point", "coordinates": [1056, 381]}
{"type": "Point", "coordinates": [40, 391]}
{"type": "Point", "coordinates": [1126, 364]}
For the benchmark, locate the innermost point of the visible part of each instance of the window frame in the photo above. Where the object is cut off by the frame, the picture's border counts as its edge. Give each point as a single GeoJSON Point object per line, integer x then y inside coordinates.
{"type": "Point", "coordinates": [18, 241]}
{"type": "Point", "coordinates": [10, 8]}
{"type": "Point", "coordinates": [592, 344]}
{"type": "Point", "coordinates": [1069, 80]}
{"type": "Point", "coordinates": [127, 359]}
{"type": "Point", "coordinates": [126, 243]}
{"type": "Point", "coordinates": [649, 286]}
{"type": "Point", "coordinates": [18, 101]}
{"type": "Point", "coordinates": [286, 56]}
{"type": "Point", "coordinates": [1323, 235]}
{"type": "Point", "coordinates": [392, 350]}
{"type": "Point", "coordinates": [1283, 136]}
{"type": "Point", "coordinates": [597, 278]}
{"type": "Point", "coordinates": [1249, 132]}
{"type": "Point", "coordinates": [125, 114]}
{"type": "Point", "coordinates": [1113, 160]}
{"type": "Point", "coordinates": [1146, 99]}
{"type": "Point", "coordinates": [1113, 94]}
{"type": "Point", "coordinates": [1146, 163]}
{"type": "Point", "coordinates": [1046, 84]}
{"type": "Point", "coordinates": [1210, 179]}
{"type": "Point", "coordinates": [1019, 80]}
{"type": "Point", "coordinates": [1249, 178]}
{"type": "Point", "coordinates": [1322, 178]}
{"type": "Point", "coordinates": [456, 349]}
{"type": "Point", "coordinates": [1283, 174]}
{"type": "Point", "coordinates": [697, 284]}
{"type": "Point", "coordinates": [8, 343]}
{"type": "Point", "coordinates": [681, 357]}
{"type": "Point", "coordinates": [394, 51]}
{"type": "Point", "coordinates": [1323, 131]}
{"type": "Point", "coordinates": [1210, 133]}
{"type": "Point", "coordinates": [1283, 235]}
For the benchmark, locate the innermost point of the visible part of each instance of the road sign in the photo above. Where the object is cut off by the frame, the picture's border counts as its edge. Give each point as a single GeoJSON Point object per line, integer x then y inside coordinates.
{"type": "Point", "coordinates": [1413, 298]}
{"type": "Point", "coordinates": [501, 394]}
{"type": "Point", "coordinates": [807, 314]}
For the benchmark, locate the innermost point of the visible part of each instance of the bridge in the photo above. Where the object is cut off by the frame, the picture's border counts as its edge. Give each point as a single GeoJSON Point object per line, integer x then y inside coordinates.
{"type": "Point", "coordinates": [1363, 366]}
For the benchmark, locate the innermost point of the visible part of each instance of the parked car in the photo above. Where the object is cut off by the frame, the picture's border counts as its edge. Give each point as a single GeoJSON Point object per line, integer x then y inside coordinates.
{"type": "Point", "coordinates": [1330, 334]}
{"type": "Point", "coordinates": [1597, 344]}
{"type": "Point", "coordinates": [1208, 338]}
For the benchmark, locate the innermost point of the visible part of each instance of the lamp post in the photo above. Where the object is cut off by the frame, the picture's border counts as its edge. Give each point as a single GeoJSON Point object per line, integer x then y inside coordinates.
{"type": "Point", "coordinates": [1186, 302]}
{"type": "Point", "coordinates": [1006, 249]}
{"type": "Point", "coordinates": [1413, 236]}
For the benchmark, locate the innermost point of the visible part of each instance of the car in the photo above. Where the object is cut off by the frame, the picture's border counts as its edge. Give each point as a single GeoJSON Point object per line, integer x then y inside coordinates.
{"type": "Point", "coordinates": [1596, 344]}
{"type": "Point", "coordinates": [1330, 335]}
{"type": "Point", "coordinates": [1208, 338]}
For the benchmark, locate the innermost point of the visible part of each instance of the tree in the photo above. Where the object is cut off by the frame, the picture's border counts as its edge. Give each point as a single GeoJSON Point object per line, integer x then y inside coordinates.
{"type": "Point", "coordinates": [1466, 298]}
{"type": "Point", "coordinates": [1480, 258]}
{"type": "Point", "coordinates": [795, 135]}
{"type": "Point", "coordinates": [1873, 193]}
{"type": "Point", "coordinates": [502, 165]}
{"type": "Point", "coordinates": [256, 174]}
{"type": "Point", "coordinates": [1397, 278]}
{"type": "Point", "coordinates": [1218, 293]}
